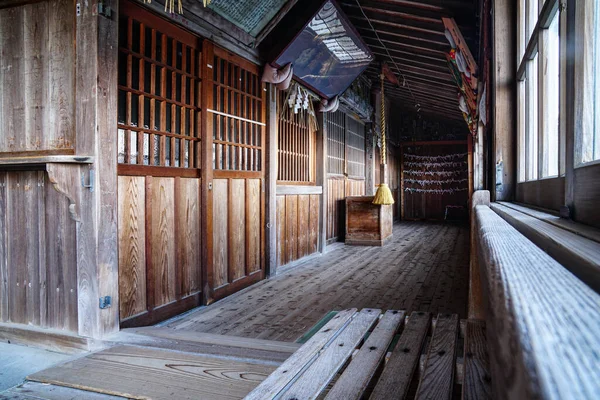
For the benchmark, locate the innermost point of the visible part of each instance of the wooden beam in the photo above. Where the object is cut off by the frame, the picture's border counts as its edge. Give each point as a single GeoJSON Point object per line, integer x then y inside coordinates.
{"type": "Point", "coordinates": [271, 181]}
{"type": "Point", "coordinates": [321, 179]}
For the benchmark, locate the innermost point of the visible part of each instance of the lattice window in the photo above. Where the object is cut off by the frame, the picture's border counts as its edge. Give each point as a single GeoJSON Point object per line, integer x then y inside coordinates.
{"type": "Point", "coordinates": [159, 86]}
{"type": "Point", "coordinates": [355, 148]}
{"type": "Point", "coordinates": [336, 142]}
{"type": "Point", "coordinates": [237, 112]}
{"type": "Point", "coordinates": [295, 145]}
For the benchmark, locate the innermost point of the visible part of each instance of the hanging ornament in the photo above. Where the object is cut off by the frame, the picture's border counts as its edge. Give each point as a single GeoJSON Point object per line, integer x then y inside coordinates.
{"type": "Point", "coordinates": [170, 6]}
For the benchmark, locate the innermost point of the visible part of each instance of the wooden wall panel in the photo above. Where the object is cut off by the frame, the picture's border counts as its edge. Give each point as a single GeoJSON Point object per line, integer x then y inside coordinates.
{"type": "Point", "coordinates": [291, 227]}
{"type": "Point", "coordinates": [220, 233]}
{"type": "Point", "coordinates": [253, 224]}
{"type": "Point", "coordinates": [281, 229]}
{"type": "Point", "coordinates": [355, 187]}
{"type": "Point", "coordinates": [38, 265]}
{"type": "Point", "coordinates": [61, 262]}
{"type": "Point", "coordinates": [313, 223]}
{"type": "Point", "coordinates": [132, 246]}
{"type": "Point", "coordinates": [303, 221]}
{"type": "Point", "coordinates": [162, 239]}
{"type": "Point", "coordinates": [189, 241]}
{"type": "Point", "coordinates": [237, 229]}
{"type": "Point", "coordinates": [297, 226]}
{"type": "Point", "coordinates": [335, 208]}
{"type": "Point", "coordinates": [586, 194]}
{"type": "Point", "coordinates": [37, 78]}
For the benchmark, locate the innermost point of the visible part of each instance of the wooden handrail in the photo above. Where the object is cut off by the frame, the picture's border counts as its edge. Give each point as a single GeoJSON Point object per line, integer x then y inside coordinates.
{"type": "Point", "coordinates": [543, 322]}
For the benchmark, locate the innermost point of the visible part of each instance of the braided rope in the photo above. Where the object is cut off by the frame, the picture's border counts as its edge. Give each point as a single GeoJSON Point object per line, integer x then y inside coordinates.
{"type": "Point", "coordinates": [383, 142]}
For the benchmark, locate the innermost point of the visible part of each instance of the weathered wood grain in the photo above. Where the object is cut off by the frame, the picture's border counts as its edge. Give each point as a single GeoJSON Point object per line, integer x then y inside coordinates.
{"type": "Point", "coordinates": [542, 320]}
{"type": "Point", "coordinates": [281, 232]}
{"type": "Point", "coordinates": [142, 372]}
{"type": "Point", "coordinates": [291, 227]}
{"type": "Point", "coordinates": [303, 221]}
{"type": "Point", "coordinates": [220, 229]}
{"type": "Point", "coordinates": [318, 375]}
{"type": "Point", "coordinates": [162, 240]}
{"type": "Point", "coordinates": [237, 229]}
{"type": "Point", "coordinates": [4, 281]}
{"type": "Point", "coordinates": [357, 376]}
{"type": "Point", "coordinates": [437, 379]}
{"type": "Point", "coordinates": [253, 225]}
{"type": "Point", "coordinates": [189, 242]}
{"type": "Point", "coordinates": [132, 246]}
{"type": "Point", "coordinates": [283, 375]}
{"type": "Point", "coordinates": [477, 380]}
{"type": "Point", "coordinates": [37, 391]}
{"type": "Point", "coordinates": [313, 223]}
{"type": "Point", "coordinates": [395, 379]}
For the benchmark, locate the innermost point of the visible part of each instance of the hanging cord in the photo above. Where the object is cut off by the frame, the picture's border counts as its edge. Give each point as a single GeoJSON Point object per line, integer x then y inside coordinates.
{"type": "Point", "coordinates": [404, 81]}
{"type": "Point", "coordinates": [382, 124]}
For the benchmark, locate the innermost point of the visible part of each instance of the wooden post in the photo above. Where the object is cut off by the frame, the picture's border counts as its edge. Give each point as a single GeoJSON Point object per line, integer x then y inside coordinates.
{"type": "Point", "coordinates": [369, 163]}
{"type": "Point", "coordinates": [271, 181]}
{"type": "Point", "coordinates": [503, 94]}
{"type": "Point", "coordinates": [96, 127]}
{"type": "Point", "coordinates": [476, 303]}
{"type": "Point", "coordinates": [321, 179]}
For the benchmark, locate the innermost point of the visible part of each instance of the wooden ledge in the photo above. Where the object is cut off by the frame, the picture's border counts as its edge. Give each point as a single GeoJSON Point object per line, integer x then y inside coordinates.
{"type": "Point", "coordinates": [37, 160]}
{"type": "Point", "coordinates": [577, 253]}
{"type": "Point", "coordinates": [298, 189]}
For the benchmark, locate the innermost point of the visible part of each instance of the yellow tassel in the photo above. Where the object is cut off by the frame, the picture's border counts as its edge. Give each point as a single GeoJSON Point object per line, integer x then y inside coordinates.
{"type": "Point", "coordinates": [383, 195]}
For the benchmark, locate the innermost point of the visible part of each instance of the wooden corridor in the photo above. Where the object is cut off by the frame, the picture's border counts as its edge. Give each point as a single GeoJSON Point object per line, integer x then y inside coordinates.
{"type": "Point", "coordinates": [424, 267]}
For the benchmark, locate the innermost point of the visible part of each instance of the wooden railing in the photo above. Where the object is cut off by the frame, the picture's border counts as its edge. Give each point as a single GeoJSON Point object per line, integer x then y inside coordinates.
{"type": "Point", "coordinates": [543, 323]}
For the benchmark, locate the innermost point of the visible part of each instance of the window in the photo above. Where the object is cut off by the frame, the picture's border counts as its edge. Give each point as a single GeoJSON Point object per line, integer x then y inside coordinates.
{"type": "Point", "coordinates": [295, 145]}
{"type": "Point", "coordinates": [158, 85]}
{"type": "Point", "coordinates": [345, 145]}
{"type": "Point", "coordinates": [587, 144]}
{"type": "Point", "coordinates": [538, 90]}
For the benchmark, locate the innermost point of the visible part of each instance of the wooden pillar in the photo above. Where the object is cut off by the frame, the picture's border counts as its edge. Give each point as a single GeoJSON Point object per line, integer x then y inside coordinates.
{"type": "Point", "coordinates": [476, 303]}
{"type": "Point", "coordinates": [321, 179]}
{"type": "Point", "coordinates": [96, 127]}
{"type": "Point", "coordinates": [504, 104]}
{"type": "Point", "coordinates": [369, 161]}
{"type": "Point", "coordinates": [271, 181]}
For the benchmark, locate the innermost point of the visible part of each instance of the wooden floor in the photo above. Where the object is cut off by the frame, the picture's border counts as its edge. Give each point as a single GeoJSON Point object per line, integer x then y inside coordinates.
{"type": "Point", "coordinates": [424, 267]}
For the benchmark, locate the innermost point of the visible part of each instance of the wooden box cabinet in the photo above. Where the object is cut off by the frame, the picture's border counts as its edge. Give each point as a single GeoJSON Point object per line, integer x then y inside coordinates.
{"type": "Point", "coordinates": [367, 224]}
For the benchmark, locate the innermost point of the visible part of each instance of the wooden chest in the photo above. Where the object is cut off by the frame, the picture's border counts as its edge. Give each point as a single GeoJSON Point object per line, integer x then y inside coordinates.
{"type": "Point", "coordinates": [367, 224]}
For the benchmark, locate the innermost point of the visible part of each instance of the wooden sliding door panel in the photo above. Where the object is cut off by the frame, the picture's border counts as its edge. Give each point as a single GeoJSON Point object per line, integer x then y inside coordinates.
{"type": "Point", "coordinates": [132, 245]}
{"type": "Point", "coordinates": [281, 231]}
{"type": "Point", "coordinates": [313, 223]}
{"type": "Point", "coordinates": [291, 227]}
{"type": "Point", "coordinates": [159, 138]}
{"type": "Point", "coordinates": [220, 232]}
{"type": "Point", "coordinates": [162, 243]}
{"type": "Point", "coordinates": [234, 139]}
{"type": "Point", "coordinates": [303, 210]}
{"type": "Point", "coordinates": [187, 228]}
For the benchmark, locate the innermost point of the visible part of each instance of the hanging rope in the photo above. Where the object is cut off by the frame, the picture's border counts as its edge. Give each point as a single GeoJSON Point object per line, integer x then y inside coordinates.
{"type": "Point", "coordinates": [383, 196]}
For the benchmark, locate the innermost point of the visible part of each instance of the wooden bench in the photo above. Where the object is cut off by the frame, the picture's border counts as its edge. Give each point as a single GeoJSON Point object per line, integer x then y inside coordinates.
{"type": "Point", "coordinates": [367, 354]}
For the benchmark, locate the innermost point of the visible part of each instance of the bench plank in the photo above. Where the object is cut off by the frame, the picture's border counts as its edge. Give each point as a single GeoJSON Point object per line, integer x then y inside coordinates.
{"type": "Point", "coordinates": [476, 385]}
{"type": "Point", "coordinates": [395, 379]}
{"type": "Point", "coordinates": [318, 375]}
{"type": "Point", "coordinates": [358, 375]}
{"type": "Point", "coordinates": [438, 375]}
{"type": "Point", "coordinates": [292, 367]}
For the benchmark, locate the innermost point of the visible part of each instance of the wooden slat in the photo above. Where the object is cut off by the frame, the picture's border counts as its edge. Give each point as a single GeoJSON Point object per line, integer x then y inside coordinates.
{"type": "Point", "coordinates": [37, 391]}
{"type": "Point", "coordinates": [4, 314]}
{"type": "Point", "coordinates": [143, 372]}
{"type": "Point", "coordinates": [357, 376]}
{"type": "Point", "coordinates": [189, 242]}
{"type": "Point", "coordinates": [253, 225]}
{"type": "Point", "coordinates": [318, 375]}
{"type": "Point", "coordinates": [237, 229]}
{"type": "Point", "coordinates": [283, 375]}
{"type": "Point", "coordinates": [162, 241]}
{"type": "Point", "coordinates": [220, 226]}
{"type": "Point", "coordinates": [477, 380]}
{"type": "Point", "coordinates": [395, 379]}
{"type": "Point", "coordinates": [437, 379]}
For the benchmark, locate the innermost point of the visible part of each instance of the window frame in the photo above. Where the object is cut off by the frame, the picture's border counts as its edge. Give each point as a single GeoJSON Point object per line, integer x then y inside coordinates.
{"type": "Point", "coordinates": [535, 46]}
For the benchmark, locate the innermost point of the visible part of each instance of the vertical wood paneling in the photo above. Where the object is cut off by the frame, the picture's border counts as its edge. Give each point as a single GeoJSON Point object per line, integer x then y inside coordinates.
{"type": "Point", "coordinates": [162, 243]}
{"type": "Point", "coordinates": [132, 246]}
{"type": "Point", "coordinates": [61, 262]}
{"type": "Point", "coordinates": [281, 229]}
{"type": "Point", "coordinates": [335, 207]}
{"type": "Point", "coordinates": [220, 233]}
{"type": "Point", "coordinates": [4, 298]}
{"type": "Point", "coordinates": [189, 242]}
{"type": "Point", "coordinates": [303, 220]}
{"type": "Point", "coordinates": [37, 77]}
{"type": "Point", "coordinates": [291, 227]}
{"type": "Point", "coordinates": [237, 230]}
{"type": "Point", "coordinates": [313, 223]}
{"type": "Point", "coordinates": [253, 224]}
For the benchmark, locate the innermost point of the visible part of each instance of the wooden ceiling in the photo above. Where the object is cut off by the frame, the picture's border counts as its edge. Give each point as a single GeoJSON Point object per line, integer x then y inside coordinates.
{"type": "Point", "coordinates": [413, 34]}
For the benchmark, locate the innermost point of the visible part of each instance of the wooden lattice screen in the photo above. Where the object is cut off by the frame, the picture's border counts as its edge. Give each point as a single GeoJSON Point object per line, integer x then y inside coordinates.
{"type": "Point", "coordinates": [355, 152]}
{"type": "Point", "coordinates": [336, 142]}
{"type": "Point", "coordinates": [158, 113]}
{"type": "Point", "coordinates": [237, 117]}
{"type": "Point", "coordinates": [295, 145]}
